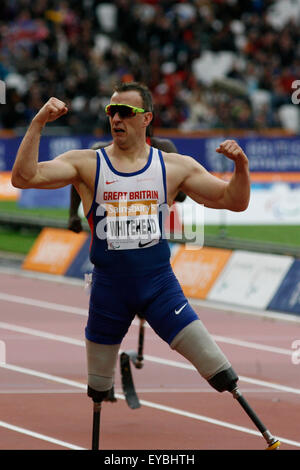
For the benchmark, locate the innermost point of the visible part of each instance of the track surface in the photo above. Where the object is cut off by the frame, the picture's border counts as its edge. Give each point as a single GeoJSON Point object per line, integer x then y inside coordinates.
{"type": "Point", "coordinates": [43, 401]}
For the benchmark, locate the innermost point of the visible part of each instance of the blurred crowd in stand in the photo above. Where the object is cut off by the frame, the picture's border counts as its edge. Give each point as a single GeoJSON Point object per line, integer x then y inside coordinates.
{"type": "Point", "coordinates": [209, 64]}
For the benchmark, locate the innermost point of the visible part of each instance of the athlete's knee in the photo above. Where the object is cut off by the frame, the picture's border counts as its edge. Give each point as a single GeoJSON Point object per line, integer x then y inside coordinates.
{"type": "Point", "coordinates": [96, 395]}
{"type": "Point", "coordinates": [224, 381]}
{"type": "Point", "coordinates": [196, 344]}
{"type": "Point", "coordinates": [101, 364]}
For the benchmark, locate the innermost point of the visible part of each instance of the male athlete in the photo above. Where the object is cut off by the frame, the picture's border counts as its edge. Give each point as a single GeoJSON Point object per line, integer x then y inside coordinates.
{"type": "Point", "coordinates": [75, 225]}
{"type": "Point", "coordinates": [122, 188]}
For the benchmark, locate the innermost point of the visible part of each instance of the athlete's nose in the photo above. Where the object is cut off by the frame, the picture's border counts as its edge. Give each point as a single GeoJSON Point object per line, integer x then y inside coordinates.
{"type": "Point", "coordinates": [116, 117]}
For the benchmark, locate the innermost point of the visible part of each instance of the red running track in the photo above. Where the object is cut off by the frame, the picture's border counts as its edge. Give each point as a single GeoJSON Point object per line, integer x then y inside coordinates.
{"type": "Point", "coordinates": [44, 405]}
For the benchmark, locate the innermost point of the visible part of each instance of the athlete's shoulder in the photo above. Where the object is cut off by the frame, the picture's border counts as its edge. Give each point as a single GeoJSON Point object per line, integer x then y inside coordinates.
{"type": "Point", "coordinates": [165, 145]}
{"type": "Point", "coordinates": [183, 164]}
{"type": "Point", "coordinates": [100, 144]}
{"type": "Point", "coordinates": [78, 155]}
{"type": "Point", "coordinates": [176, 157]}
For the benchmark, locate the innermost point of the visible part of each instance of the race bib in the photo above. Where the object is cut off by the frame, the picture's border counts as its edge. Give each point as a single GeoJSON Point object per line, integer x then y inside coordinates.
{"type": "Point", "coordinates": [132, 224]}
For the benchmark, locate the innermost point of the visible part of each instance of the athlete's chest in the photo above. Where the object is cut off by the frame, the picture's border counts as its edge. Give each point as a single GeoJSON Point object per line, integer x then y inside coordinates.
{"type": "Point", "coordinates": [131, 202]}
{"type": "Point", "coordinates": [136, 184]}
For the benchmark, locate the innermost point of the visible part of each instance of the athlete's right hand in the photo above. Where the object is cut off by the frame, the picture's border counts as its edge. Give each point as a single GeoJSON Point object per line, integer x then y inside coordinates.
{"type": "Point", "coordinates": [52, 110]}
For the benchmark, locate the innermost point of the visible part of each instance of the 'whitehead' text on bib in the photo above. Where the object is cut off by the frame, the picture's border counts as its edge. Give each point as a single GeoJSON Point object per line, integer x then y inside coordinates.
{"type": "Point", "coordinates": [131, 224]}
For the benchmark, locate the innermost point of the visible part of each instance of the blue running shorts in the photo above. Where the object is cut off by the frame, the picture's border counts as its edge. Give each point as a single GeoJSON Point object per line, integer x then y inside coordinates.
{"type": "Point", "coordinates": [116, 299]}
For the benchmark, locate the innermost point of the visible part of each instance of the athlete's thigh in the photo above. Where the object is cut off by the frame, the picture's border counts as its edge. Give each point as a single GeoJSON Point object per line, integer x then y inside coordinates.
{"type": "Point", "coordinates": [169, 311]}
{"type": "Point", "coordinates": [109, 317]}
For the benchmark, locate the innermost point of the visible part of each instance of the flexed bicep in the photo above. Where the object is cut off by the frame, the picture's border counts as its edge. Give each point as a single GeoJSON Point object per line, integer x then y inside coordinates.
{"type": "Point", "coordinates": [55, 173]}
{"type": "Point", "coordinates": [203, 187]}
{"type": "Point", "coordinates": [52, 174]}
{"type": "Point", "coordinates": [214, 192]}
{"type": "Point", "coordinates": [27, 172]}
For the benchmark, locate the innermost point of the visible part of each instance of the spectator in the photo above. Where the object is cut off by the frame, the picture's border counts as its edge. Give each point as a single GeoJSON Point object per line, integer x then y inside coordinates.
{"type": "Point", "coordinates": [72, 49]}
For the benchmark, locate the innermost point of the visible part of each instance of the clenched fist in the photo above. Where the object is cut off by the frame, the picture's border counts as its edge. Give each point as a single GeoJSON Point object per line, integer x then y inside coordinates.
{"type": "Point", "coordinates": [52, 110]}
{"type": "Point", "coordinates": [232, 150]}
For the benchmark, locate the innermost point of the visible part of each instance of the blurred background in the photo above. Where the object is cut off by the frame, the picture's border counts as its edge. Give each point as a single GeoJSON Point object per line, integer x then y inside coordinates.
{"type": "Point", "coordinates": [216, 69]}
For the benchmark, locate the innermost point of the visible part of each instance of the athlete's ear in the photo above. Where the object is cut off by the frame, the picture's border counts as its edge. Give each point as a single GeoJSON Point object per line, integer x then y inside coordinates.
{"type": "Point", "coordinates": [148, 116]}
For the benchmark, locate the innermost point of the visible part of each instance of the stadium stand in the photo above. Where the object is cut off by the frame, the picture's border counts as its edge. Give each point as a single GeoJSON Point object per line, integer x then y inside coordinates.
{"type": "Point", "coordinates": [210, 64]}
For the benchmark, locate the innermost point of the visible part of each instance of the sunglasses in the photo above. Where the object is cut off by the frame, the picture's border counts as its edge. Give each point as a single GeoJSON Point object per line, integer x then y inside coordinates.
{"type": "Point", "coordinates": [124, 110]}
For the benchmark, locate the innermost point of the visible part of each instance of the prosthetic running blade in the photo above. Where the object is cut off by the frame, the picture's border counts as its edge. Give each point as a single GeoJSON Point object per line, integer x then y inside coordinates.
{"type": "Point", "coordinates": [127, 381]}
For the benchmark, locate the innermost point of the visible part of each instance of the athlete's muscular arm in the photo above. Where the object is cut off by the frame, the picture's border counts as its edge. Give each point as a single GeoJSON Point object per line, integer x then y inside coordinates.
{"type": "Point", "coordinates": [213, 192]}
{"type": "Point", "coordinates": [27, 171]}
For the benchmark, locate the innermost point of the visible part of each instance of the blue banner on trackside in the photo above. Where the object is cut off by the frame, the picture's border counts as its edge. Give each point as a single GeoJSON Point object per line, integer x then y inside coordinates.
{"type": "Point", "coordinates": [287, 297]}
{"type": "Point", "coordinates": [266, 154]}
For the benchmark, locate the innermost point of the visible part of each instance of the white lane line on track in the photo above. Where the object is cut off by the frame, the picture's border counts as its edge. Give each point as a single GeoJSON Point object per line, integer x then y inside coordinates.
{"type": "Point", "coordinates": [147, 357]}
{"type": "Point", "coordinates": [225, 308]}
{"type": "Point", "coordinates": [62, 391]}
{"type": "Point", "coordinates": [37, 435]}
{"type": "Point", "coordinates": [243, 310]}
{"type": "Point", "coordinates": [43, 375]}
{"type": "Point", "coordinates": [263, 383]}
{"type": "Point", "coordinates": [252, 345]}
{"type": "Point", "coordinates": [42, 304]}
{"type": "Point", "coordinates": [54, 278]}
{"type": "Point", "coordinates": [206, 304]}
{"type": "Point", "coordinates": [149, 404]}
{"type": "Point", "coordinates": [41, 334]}
{"type": "Point", "coordinates": [82, 311]}
{"type": "Point", "coordinates": [38, 391]}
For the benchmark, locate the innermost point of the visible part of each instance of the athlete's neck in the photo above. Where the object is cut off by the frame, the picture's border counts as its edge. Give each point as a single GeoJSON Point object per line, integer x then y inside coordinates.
{"type": "Point", "coordinates": [129, 158]}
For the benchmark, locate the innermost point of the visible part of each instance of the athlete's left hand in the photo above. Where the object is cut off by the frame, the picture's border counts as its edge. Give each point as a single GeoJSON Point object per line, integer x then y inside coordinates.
{"type": "Point", "coordinates": [232, 150]}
